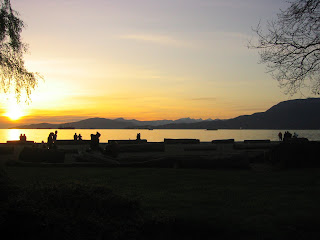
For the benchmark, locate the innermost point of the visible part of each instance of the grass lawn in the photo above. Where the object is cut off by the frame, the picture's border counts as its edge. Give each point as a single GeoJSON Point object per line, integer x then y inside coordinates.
{"type": "Point", "coordinates": [229, 203]}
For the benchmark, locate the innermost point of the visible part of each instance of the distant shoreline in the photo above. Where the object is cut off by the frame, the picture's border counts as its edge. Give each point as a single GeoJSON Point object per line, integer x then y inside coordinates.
{"type": "Point", "coordinates": [155, 128]}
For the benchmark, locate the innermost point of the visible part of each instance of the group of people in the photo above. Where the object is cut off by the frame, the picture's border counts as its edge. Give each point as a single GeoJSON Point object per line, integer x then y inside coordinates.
{"type": "Point", "coordinates": [94, 143]}
{"type": "Point", "coordinates": [52, 140]}
{"type": "Point", "coordinates": [286, 135]}
{"type": "Point", "coordinates": [77, 137]}
{"type": "Point", "coordinates": [23, 138]}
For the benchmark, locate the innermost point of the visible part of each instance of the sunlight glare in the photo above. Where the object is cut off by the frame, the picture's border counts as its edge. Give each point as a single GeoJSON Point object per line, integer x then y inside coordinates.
{"type": "Point", "coordinates": [14, 110]}
{"type": "Point", "coordinates": [13, 134]}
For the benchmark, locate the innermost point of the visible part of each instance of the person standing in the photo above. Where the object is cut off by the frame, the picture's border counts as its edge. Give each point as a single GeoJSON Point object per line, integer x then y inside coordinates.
{"type": "Point", "coordinates": [75, 137]}
{"type": "Point", "coordinates": [50, 140]}
{"type": "Point", "coordinates": [280, 136]}
{"type": "Point", "coordinates": [54, 139]}
{"type": "Point", "coordinates": [94, 143]}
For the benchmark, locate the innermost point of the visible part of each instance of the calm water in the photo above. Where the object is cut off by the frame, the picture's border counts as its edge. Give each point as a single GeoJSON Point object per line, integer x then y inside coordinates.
{"type": "Point", "coordinates": [39, 135]}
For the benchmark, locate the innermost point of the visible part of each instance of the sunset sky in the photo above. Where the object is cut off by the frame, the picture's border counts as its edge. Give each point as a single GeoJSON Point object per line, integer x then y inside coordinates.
{"type": "Point", "coordinates": [144, 59]}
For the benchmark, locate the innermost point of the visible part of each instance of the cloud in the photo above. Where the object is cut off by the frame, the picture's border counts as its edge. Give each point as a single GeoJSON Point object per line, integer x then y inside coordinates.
{"type": "Point", "coordinates": [99, 98]}
{"type": "Point", "coordinates": [157, 39]}
{"type": "Point", "coordinates": [204, 99]}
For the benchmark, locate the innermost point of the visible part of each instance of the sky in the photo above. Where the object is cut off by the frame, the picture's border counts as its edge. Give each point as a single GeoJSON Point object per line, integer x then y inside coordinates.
{"type": "Point", "coordinates": [144, 60]}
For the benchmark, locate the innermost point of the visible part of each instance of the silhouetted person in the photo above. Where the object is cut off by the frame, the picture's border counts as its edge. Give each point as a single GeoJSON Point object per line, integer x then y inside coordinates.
{"type": "Point", "coordinates": [97, 137]}
{"type": "Point", "coordinates": [280, 136]}
{"type": "Point", "coordinates": [138, 137]}
{"type": "Point", "coordinates": [97, 140]}
{"type": "Point", "coordinates": [287, 135]}
{"type": "Point", "coordinates": [295, 135]}
{"type": "Point", "coordinates": [23, 138]}
{"type": "Point", "coordinates": [75, 137]}
{"type": "Point", "coordinates": [94, 143]}
{"type": "Point", "coordinates": [55, 136]}
{"type": "Point", "coordinates": [80, 137]}
{"type": "Point", "coordinates": [54, 139]}
{"type": "Point", "coordinates": [50, 140]}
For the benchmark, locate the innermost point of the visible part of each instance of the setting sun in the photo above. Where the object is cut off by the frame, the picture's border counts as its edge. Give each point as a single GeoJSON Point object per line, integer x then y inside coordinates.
{"type": "Point", "coordinates": [14, 112]}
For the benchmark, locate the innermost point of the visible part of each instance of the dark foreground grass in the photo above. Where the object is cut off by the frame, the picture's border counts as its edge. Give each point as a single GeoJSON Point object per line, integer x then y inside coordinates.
{"type": "Point", "coordinates": [192, 204]}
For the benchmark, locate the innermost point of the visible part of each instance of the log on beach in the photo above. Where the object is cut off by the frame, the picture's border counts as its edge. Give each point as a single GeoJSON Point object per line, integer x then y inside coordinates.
{"type": "Point", "coordinates": [181, 141]}
{"type": "Point", "coordinates": [135, 141]}
{"type": "Point", "coordinates": [73, 142]}
{"type": "Point", "coordinates": [257, 141]}
{"type": "Point", "coordinates": [223, 141]}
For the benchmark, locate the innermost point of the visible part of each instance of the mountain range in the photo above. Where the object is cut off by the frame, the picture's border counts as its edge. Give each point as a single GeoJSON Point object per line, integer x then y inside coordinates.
{"type": "Point", "coordinates": [104, 123]}
{"type": "Point", "coordinates": [291, 114]}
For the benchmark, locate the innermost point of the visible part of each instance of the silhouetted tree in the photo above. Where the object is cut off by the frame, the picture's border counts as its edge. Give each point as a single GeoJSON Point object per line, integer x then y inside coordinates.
{"type": "Point", "coordinates": [13, 73]}
{"type": "Point", "coordinates": [290, 47]}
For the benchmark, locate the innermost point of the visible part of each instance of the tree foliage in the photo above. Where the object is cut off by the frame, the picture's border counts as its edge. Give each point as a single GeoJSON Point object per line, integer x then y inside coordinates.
{"type": "Point", "coordinates": [13, 74]}
{"type": "Point", "coordinates": [290, 46]}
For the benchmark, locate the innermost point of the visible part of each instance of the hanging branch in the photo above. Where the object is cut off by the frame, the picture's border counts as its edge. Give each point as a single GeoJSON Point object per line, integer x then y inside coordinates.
{"type": "Point", "coordinates": [13, 73]}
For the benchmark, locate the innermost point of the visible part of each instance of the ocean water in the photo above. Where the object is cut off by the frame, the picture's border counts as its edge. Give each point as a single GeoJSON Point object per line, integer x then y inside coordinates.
{"type": "Point", "coordinates": [39, 135]}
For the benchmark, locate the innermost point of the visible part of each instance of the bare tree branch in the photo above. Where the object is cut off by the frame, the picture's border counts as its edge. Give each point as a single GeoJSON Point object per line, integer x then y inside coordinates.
{"type": "Point", "coordinates": [290, 47]}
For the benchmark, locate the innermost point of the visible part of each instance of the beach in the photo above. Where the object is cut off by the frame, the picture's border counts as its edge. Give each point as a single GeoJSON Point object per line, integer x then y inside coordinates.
{"type": "Point", "coordinates": [184, 188]}
{"type": "Point", "coordinates": [171, 153]}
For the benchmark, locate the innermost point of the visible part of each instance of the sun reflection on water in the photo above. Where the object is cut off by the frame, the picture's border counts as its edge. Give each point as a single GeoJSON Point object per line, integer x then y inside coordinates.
{"type": "Point", "coordinates": [13, 134]}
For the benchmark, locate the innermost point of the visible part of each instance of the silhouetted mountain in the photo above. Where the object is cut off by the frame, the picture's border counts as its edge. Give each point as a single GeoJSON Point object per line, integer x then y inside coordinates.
{"type": "Point", "coordinates": [159, 122]}
{"type": "Point", "coordinates": [103, 123]}
{"type": "Point", "coordinates": [97, 123]}
{"type": "Point", "coordinates": [291, 114]}
{"type": "Point", "coordinates": [38, 125]}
